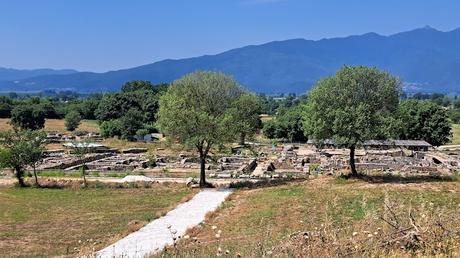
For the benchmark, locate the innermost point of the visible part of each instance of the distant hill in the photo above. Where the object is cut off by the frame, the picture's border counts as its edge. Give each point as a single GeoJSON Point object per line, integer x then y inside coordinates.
{"type": "Point", "coordinates": [9, 74]}
{"type": "Point", "coordinates": [426, 59]}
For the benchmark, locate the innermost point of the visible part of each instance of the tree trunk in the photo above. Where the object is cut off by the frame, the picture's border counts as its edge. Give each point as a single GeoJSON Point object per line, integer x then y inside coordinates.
{"type": "Point", "coordinates": [203, 171]}
{"type": "Point", "coordinates": [354, 173]}
{"type": "Point", "coordinates": [19, 177]}
{"type": "Point", "coordinates": [83, 172]}
{"type": "Point", "coordinates": [242, 138]}
{"type": "Point", "coordinates": [35, 175]}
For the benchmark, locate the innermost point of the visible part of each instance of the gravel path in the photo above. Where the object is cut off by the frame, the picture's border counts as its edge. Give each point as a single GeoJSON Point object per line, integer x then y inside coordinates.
{"type": "Point", "coordinates": [156, 235]}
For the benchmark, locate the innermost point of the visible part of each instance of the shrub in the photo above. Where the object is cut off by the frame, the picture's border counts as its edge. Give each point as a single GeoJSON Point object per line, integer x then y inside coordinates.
{"type": "Point", "coordinates": [72, 120]}
{"type": "Point", "coordinates": [110, 128]}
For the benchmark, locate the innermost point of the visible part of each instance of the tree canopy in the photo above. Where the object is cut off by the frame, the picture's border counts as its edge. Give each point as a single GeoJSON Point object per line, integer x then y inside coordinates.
{"type": "Point", "coordinates": [194, 110]}
{"type": "Point", "coordinates": [355, 105]}
{"type": "Point", "coordinates": [28, 117]}
{"type": "Point", "coordinates": [72, 121]}
{"type": "Point", "coordinates": [19, 149]}
{"type": "Point", "coordinates": [424, 120]}
{"type": "Point", "coordinates": [287, 124]}
{"type": "Point", "coordinates": [243, 116]}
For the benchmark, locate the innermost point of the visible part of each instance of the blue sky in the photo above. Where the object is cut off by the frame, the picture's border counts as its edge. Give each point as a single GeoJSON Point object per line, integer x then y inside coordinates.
{"type": "Point", "coordinates": [101, 35]}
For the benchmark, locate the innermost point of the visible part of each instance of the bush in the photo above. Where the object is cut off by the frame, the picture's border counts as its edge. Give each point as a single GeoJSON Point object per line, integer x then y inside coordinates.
{"type": "Point", "coordinates": [110, 128]}
{"type": "Point", "coordinates": [142, 132]}
{"type": "Point", "coordinates": [72, 120]}
{"type": "Point", "coordinates": [269, 129]}
{"type": "Point", "coordinates": [151, 128]}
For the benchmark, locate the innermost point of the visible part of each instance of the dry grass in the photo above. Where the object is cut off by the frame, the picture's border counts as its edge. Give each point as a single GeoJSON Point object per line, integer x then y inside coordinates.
{"type": "Point", "coordinates": [341, 218]}
{"type": "Point", "coordinates": [56, 125]}
{"type": "Point", "coordinates": [53, 222]}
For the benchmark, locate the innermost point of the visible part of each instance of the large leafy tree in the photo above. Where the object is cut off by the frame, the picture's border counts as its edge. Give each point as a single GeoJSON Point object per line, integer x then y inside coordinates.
{"type": "Point", "coordinates": [355, 105]}
{"type": "Point", "coordinates": [425, 120]}
{"type": "Point", "coordinates": [19, 149]}
{"type": "Point", "coordinates": [115, 105]}
{"type": "Point", "coordinates": [243, 116]}
{"type": "Point", "coordinates": [194, 111]}
{"type": "Point", "coordinates": [28, 117]}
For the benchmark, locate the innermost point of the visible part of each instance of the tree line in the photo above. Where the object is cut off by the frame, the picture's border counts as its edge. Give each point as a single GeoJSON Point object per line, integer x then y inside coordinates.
{"type": "Point", "coordinates": [205, 110]}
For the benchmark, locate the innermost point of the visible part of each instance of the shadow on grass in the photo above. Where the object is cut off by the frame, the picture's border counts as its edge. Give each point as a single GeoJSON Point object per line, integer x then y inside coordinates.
{"type": "Point", "coordinates": [398, 179]}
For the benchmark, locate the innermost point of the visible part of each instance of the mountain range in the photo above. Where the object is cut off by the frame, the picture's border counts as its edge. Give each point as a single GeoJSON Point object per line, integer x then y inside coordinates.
{"type": "Point", "coordinates": [426, 59]}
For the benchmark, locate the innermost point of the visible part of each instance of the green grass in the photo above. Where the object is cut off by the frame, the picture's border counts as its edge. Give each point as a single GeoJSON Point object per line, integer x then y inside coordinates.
{"type": "Point", "coordinates": [52, 222]}
{"type": "Point", "coordinates": [77, 174]}
{"type": "Point", "coordinates": [58, 173]}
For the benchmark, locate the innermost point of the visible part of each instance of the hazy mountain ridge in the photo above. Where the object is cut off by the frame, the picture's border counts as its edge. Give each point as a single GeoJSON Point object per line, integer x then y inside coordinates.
{"type": "Point", "coordinates": [426, 59]}
{"type": "Point", "coordinates": [10, 74]}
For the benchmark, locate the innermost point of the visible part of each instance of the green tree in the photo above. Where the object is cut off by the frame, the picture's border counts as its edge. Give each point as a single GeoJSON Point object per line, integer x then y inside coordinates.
{"type": "Point", "coordinates": [287, 124]}
{"type": "Point", "coordinates": [130, 123]}
{"type": "Point", "coordinates": [28, 117]}
{"type": "Point", "coordinates": [194, 108]}
{"type": "Point", "coordinates": [19, 149]}
{"type": "Point", "coordinates": [454, 115]}
{"type": "Point", "coordinates": [6, 105]}
{"type": "Point", "coordinates": [81, 149]}
{"type": "Point", "coordinates": [137, 85]}
{"type": "Point", "coordinates": [355, 105]}
{"type": "Point", "coordinates": [270, 129]}
{"type": "Point", "coordinates": [243, 116]}
{"type": "Point", "coordinates": [290, 126]}
{"type": "Point", "coordinates": [72, 120]}
{"type": "Point", "coordinates": [425, 120]}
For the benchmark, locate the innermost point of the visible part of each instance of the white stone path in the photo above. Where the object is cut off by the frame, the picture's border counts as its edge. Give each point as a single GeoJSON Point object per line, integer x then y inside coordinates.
{"type": "Point", "coordinates": [156, 235]}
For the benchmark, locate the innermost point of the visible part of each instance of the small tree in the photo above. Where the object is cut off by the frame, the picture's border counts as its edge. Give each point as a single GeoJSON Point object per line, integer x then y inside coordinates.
{"type": "Point", "coordinates": [194, 108]}
{"type": "Point", "coordinates": [243, 116]}
{"type": "Point", "coordinates": [72, 120]}
{"type": "Point", "coordinates": [80, 150]}
{"type": "Point", "coordinates": [28, 117]}
{"type": "Point", "coordinates": [36, 153]}
{"type": "Point", "coordinates": [357, 104]}
{"type": "Point", "coordinates": [19, 149]}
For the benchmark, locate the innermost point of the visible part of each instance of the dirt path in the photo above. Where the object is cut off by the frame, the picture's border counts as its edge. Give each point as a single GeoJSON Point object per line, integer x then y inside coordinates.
{"type": "Point", "coordinates": [157, 234]}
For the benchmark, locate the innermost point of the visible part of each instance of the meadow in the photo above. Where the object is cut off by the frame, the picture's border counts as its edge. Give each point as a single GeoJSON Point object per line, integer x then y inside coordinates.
{"type": "Point", "coordinates": [328, 217]}
{"type": "Point", "coordinates": [42, 222]}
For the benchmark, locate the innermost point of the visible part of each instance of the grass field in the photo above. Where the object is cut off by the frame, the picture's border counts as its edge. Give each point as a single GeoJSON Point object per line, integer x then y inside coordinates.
{"type": "Point", "coordinates": [456, 134]}
{"type": "Point", "coordinates": [329, 218]}
{"type": "Point", "coordinates": [54, 222]}
{"type": "Point", "coordinates": [56, 125]}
